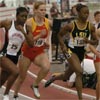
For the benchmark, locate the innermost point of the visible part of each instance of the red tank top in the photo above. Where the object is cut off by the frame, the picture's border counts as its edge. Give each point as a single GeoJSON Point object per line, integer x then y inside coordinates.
{"type": "Point", "coordinates": [39, 44]}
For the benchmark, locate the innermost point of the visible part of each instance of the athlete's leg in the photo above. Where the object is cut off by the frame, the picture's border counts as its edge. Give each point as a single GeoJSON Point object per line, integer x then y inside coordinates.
{"type": "Point", "coordinates": [23, 65]}
{"type": "Point", "coordinates": [3, 76]}
{"type": "Point", "coordinates": [61, 76]}
{"type": "Point", "coordinates": [76, 66]}
{"type": "Point", "coordinates": [65, 76]}
{"type": "Point", "coordinates": [43, 62]}
{"type": "Point", "coordinates": [10, 67]}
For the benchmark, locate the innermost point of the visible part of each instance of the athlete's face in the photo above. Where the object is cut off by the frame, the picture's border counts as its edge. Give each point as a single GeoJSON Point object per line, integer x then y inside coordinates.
{"type": "Point", "coordinates": [97, 18]}
{"type": "Point", "coordinates": [41, 11]}
{"type": "Point", "coordinates": [84, 13]}
{"type": "Point", "coordinates": [22, 17]}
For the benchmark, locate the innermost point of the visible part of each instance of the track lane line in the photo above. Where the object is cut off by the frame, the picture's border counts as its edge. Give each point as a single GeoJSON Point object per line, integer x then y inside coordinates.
{"type": "Point", "coordinates": [63, 88]}
{"type": "Point", "coordinates": [27, 97]}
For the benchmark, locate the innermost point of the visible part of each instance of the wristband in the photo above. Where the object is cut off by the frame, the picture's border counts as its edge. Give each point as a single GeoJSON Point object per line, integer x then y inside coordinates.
{"type": "Point", "coordinates": [67, 55]}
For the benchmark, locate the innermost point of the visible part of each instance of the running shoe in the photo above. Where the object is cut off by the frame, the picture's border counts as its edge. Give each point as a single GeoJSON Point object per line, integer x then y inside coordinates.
{"type": "Point", "coordinates": [36, 91]}
{"type": "Point", "coordinates": [15, 97]}
{"type": "Point", "coordinates": [6, 97]}
{"type": "Point", "coordinates": [51, 80]}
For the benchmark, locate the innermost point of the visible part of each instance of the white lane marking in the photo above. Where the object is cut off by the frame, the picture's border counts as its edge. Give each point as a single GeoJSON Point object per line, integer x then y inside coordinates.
{"type": "Point", "coordinates": [63, 88]}
{"type": "Point", "coordinates": [27, 97]}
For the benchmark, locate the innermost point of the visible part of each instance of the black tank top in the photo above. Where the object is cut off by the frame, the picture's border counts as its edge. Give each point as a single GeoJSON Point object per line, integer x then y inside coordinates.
{"type": "Point", "coordinates": [78, 35]}
{"type": "Point", "coordinates": [80, 32]}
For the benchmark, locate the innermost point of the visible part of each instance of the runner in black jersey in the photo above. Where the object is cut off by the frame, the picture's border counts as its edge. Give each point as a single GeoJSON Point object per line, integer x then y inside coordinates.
{"type": "Point", "coordinates": [79, 30]}
{"type": "Point", "coordinates": [16, 32]}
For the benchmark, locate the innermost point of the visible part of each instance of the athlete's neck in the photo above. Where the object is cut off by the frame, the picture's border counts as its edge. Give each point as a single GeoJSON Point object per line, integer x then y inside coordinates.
{"type": "Point", "coordinates": [18, 23]}
{"type": "Point", "coordinates": [39, 20]}
{"type": "Point", "coordinates": [81, 21]}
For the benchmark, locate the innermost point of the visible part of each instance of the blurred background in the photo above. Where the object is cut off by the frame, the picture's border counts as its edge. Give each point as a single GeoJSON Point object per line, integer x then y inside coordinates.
{"type": "Point", "coordinates": [7, 7]}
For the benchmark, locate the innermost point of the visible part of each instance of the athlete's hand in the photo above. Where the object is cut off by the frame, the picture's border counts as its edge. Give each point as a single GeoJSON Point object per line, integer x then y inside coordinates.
{"type": "Point", "coordinates": [86, 40]}
{"type": "Point", "coordinates": [20, 28]}
{"type": "Point", "coordinates": [64, 49]}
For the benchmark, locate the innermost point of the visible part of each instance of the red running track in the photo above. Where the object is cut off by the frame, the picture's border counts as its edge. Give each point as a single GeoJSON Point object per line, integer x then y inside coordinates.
{"type": "Point", "coordinates": [50, 93]}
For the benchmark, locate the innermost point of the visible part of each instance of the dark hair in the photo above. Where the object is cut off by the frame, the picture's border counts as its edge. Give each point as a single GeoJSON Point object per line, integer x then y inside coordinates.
{"type": "Point", "coordinates": [96, 13]}
{"type": "Point", "coordinates": [20, 10]}
{"type": "Point", "coordinates": [79, 7]}
{"type": "Point", "coordinates": [72, 12]}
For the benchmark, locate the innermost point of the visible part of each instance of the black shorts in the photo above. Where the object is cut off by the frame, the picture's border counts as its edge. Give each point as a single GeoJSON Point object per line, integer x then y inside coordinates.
{"type": "Point", "coordinates": [14, 59]}
{"type": "Point", "coordinates": [79, 51]}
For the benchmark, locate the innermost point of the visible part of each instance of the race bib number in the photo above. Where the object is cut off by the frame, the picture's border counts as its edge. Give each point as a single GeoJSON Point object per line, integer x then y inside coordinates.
{"type": "Point", "coordinates": [79, 42]}
{"type": "Point", "coordinates": [13, 48]}
{"type": "Point", "coordinates": [39, 42]}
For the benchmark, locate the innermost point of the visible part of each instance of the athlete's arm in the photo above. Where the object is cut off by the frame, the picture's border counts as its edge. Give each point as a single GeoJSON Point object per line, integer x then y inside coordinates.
{"type": "Point", "coordinates": [92, 48]}
{"type": "Point", "coordinates": [29, 37]}
{"type": "Point", "coordinates": [28, 34]}
{"type": "Point", "coordinates": [47, 43]}
{"type": "Point", "coordinates": [5, 24]}
{"type": "Point", "coordinates": [94, 37]}
{"type": "Point", "coordinates": [65, 30]}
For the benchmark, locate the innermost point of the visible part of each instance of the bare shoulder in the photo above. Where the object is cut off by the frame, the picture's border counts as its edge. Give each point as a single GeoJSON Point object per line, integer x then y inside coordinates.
{"type": "Point", "coordinates": [69, 27]}
{"type": "Point", "coordinates": [92, 27]}
{"type": "Point", "coordinates": [28, 27]}
{"type": "Point", "coordinates": [6, 23]}
{"type": "Point", "coordinates": [29, 22]}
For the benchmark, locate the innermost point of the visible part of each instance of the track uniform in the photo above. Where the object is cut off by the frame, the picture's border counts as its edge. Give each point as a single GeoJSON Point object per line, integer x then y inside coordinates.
{"type": "Point", "coordinates": [13, 42]}
{"type": "Point", "coordinates": [38, 47]}
{"type": "Point", "coordinates": [76, 43]}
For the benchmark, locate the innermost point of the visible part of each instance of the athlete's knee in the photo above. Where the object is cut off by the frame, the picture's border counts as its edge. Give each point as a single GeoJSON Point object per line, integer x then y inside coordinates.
{"type": "Point", "coordinates": [21, 79]}
{"type": "Point", "coordinates": [45, 70]}
{"type": "Point", "coordinates": [15, 73]}
{"type": "Point", "coordinates": [79, 73]}
{"type": "Point", "coordinates": [46, 67]}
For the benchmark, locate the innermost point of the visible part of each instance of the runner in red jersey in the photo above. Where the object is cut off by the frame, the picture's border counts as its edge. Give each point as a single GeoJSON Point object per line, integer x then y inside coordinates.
{"type": "Point", "coordinates": [40, 28]}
